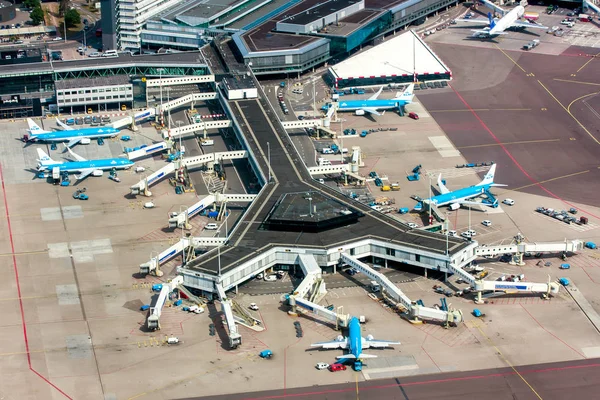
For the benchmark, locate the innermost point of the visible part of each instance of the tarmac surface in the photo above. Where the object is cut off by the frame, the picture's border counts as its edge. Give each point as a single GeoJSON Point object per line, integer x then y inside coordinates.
{"type": "Point", "coordinates": [566, 380]}
{"type": "Point", "coordinates": [533, 114]}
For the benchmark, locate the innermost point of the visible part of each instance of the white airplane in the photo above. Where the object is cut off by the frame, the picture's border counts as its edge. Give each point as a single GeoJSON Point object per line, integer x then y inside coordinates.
{"type": "Point", "coordinates": [498, 26]}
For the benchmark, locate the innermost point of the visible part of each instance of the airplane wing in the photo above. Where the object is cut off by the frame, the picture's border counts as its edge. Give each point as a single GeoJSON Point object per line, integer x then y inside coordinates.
{"type": "Point", "coordinates": [77, 156]}
{"type": "Point", "coordinates": [441, 186]}
{"type": "Point", "coordinates": [84, 173]}
{"type": "Point", "coordinates": [64, 126]}
{"type": "Point", "coordinates": [522, 24]}
{"type": "Point", "coordinates": [371, 111]}
{"type": "Point", "coordinates": [73, 141]}
{"type": "Point", "coordinates": [374, 343]}
{"type": "Point", "coordinates": [334, 344]}
{"type": "Point", "coordinates": [477, 21]}
{"type": "Point", "coordinates": [376, 95]}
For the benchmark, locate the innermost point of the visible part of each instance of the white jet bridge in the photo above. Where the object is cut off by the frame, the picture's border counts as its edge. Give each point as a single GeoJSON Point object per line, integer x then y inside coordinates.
{"type": "Point", "coordinates": [153, 321]}
{"type": "Point", "coordinates": [415, 312]}
{"type": "Point", "coordinates": [181, 219]}
{"type": "Point", "coordinates": [153, 266]}
{"type": "Point", "coordinates": [235, 339]}
{"type": "Point", "coordinates": [190, 130]}
{"type": "Point", "coordinates": [313, 287]}
{"type": "Point", "coordinates": [190, 163]}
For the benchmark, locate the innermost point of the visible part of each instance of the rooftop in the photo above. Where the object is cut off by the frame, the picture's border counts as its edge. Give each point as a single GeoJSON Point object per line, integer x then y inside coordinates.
{"type": "Point", "coordinates": [238, 82]}
{"type": "Point", "coordinates": [351, 23]}
{"type": "Point", "coordinates": [319, 11]}
{"type": "Point", "coordinates": [92, 82]}
{"type": "Point", "coordinates": [405, 54]}
{"type": "Point", "coordinates": [309, 211]}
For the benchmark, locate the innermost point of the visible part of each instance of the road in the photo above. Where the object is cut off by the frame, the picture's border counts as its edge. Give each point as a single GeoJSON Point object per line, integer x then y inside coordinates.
{"type": "Point", "coordinates": [565, 380]}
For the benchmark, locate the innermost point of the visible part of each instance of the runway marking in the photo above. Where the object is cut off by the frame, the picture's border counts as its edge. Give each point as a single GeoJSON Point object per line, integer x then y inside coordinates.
{"type": "Point", "coordinates": [569, 112]}
{"type": "Point", "coordinates": [548, 180]}
{"type": "Point", "coordinates": [507, 143]}
{"type": "Point", "coordinates": [482, 109]}
{"type": "Point", "coordinates": [24, 253]}
{"type": "Point", "coordinates": [510, 58]}
{"type": "Point", "coordinates": [506, 360]}
{"type": "Point", "coordinates": [579, 82]}
{"type": "Point", "coordinates": [588, 61]}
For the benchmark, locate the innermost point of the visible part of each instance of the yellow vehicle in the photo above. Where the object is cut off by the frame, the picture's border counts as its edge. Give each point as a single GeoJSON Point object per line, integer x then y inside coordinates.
{"type": "Point", "coordinates": [395, 187]}
{"type": "Point", "coordinates": [385, 188]}
{"type": "Point", "coordinates": [123, 107]}
{"type": "Point", "coordinates": [90, 111]}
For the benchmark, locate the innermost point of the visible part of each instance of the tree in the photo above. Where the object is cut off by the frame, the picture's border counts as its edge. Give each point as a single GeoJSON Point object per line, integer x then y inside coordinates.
{"type": "Point", "coordinates": [31, 3]}
{"type": "Point", "coordinates": [72, 18]}
{"type": "Point", "coordinates": [37, 15]}
{"type": "Point", "coordinates": [63, 7]}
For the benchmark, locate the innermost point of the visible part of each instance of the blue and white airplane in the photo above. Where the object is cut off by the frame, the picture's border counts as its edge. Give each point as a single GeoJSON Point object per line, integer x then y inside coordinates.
{"type": "Point", "coordinates": [497, 26]}
{"type": "Point", "coordinates": [70, 135]}
{"type": "Point", "coordinates": [461, 196]}
{"type": "Point", "coordinates": [83, 166]}
{"type": "Point", "coordinates": [371, 105]}
{"type": "Point", "coordinates": [354, 343]}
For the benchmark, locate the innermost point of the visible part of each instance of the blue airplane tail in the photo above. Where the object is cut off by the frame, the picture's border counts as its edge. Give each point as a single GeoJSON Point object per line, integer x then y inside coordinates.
{"type": "Point", "coordinates": [491, 19]}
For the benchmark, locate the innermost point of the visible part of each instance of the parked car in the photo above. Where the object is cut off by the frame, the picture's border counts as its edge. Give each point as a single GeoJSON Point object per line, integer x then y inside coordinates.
{"type": "Point", "coordinates": [466, 235]}
{"type": "Point", "coordinates": [452, 233]}
{"type": "Point", "coordinates": [413, 115]}
{"type": "Point", "coordinates": [322, 365]}
{"type": "Point", "coordinates": [472, 232]}
{"type": "Point", "coordinates": [509, 202]}
{"type": "Point", "coordinates": [412, 225]}
{"type": "Point", "coordinates": [337, 367]}
{"type": "Point", "coordinates": [486, 222]}
{"type": "Point", "coordinates": [253, 306]}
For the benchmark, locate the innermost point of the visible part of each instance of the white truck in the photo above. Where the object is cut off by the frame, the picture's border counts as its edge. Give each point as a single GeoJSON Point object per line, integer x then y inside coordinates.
{"type": "Point", "coordinates": [375, 287]}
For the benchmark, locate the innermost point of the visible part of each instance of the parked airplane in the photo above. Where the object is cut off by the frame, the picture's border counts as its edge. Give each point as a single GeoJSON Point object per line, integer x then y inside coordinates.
{"type": "Point", "coordinates": [355, 343]}
{"type": "Point", "coordinates": [70, 135]}
{"type": "Point", "coordinates": [461, 196]}
{"type": "Point", "coordinates": [371, 105]}
{"type": "Point", "coordinates": [498, 26]}
{"type": "Point", "coordinates": [83, 166]}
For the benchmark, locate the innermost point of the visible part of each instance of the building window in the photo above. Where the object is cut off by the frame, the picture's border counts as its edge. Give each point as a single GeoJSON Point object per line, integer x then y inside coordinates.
{"type": "Point", "coordinates": [100, 90]}
{"type": "Point", "coordinates": [94, 90]}
{"type": "Point", "coordinates": [95, 98]}
{"type": "Point", "coordinates": [88, 99]}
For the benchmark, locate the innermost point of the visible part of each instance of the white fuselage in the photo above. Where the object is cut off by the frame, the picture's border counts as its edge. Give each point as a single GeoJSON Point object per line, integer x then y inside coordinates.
{"type": "Point", "coordinates": [507, 21]}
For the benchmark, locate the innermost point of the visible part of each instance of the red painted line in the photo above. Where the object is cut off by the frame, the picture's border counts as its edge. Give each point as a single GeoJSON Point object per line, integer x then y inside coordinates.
{"type": "Point", "coordinates": [551, 334]}
{"type": "Point", "coordinates": [426, 382]}
{"type": "Point", "coordinates": [16, 270]}
{"type": "Point", "coordinates": [514, 160]}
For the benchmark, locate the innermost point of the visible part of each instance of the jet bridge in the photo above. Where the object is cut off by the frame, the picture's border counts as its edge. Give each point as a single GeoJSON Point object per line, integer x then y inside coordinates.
{"type": "Point", "coordinates": [181, 219]}
{"type": "Point", "coordinates": [190, 130]}
{"type": "Point", "coordinates": [235, 339]}
{"type": "Point", "coordinates": [571, 246]}
{"type": "Point", "coordinates": [190, 163]}
{"type": "Point", "coordinates": [152, 266]}
{"type": "Point", "coordinates": [184, 100]}
{"type": "Point", "coordinates": [313, 282]}
{"type": "Point", "coordinates": [146, 151]}
{"type": "Point", "coordinates": [591, 5]}
{"type": "Point", "coordinates": [415, 312]}
{"type": "Point", "coordinates": [153, 321]}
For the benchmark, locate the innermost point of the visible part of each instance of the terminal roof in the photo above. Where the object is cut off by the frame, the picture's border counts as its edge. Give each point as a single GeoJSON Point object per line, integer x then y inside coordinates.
{"type": "Point", "coordinates": [92, 82]}
{"type": "Point", "coordinates": [318, 12]}
{"type": "Point", "coordinates": [405, 54]}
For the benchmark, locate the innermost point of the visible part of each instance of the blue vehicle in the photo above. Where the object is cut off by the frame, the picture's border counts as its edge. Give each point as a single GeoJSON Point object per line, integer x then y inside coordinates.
{"type": "Point", "coordinates": [590, 245]}
{"type": "Point", "coordinates": [126, 138]}
{"type": "Point", "coordinates": [70, 135]}
{"type": "Point", "coordinates": [157, 287]}
{"type": "Point", "coordinates": [145, 307]}
{"type": "Point", "coordinates": [354, 343]}
{"type": "Point", "coordinates": [83, 166]}
{"type": "Point", "coordinates": [266, 354]}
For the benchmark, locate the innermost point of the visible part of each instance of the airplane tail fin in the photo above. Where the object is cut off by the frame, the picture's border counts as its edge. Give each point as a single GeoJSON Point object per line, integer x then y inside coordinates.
{"type": "Point", "coordinates": [491, 19]}
{"type": "Point", "coordinates": [407, 95]}
{"type": "Point", "coordinates": [44, 159]}
{"type": "Point", "coordinates": [34, 129]}
{"type": "Point", "coordinates": [488, 179]}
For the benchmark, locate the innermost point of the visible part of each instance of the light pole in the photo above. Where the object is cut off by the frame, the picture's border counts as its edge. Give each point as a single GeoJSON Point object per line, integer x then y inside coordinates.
{"type": "Point", "coordinates": [219, 253]}
{"type": "Point", "coordinates": [314, 97]}
{"type": "Point", "coordinates": [178, 130]}
{"type": "Point", "coordinates": [169, 110]}
{"type": "Point", "coordinates": [309, 198]}
{"type": "Point", "coordinates": [160, 71]}
{"type": "Point", "coordinates": [429, 220]}
{"type": "Point", "coordinates": [269, 160]}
